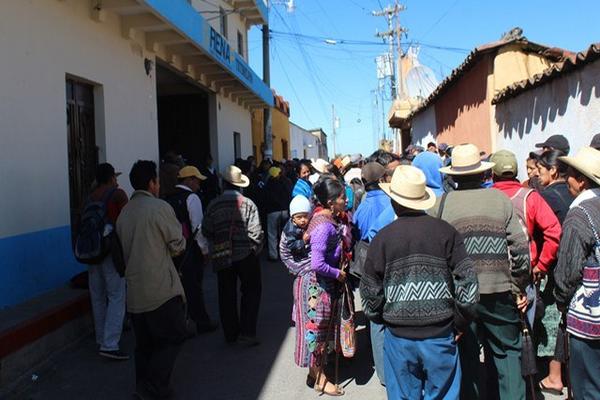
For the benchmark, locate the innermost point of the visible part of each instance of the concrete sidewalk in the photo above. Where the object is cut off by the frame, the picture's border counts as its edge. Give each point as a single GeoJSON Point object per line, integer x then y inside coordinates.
{"type": "Point", "coordinates": [207, 368]}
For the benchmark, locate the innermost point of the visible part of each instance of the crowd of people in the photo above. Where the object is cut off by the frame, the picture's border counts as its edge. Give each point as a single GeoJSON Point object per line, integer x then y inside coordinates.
{"type": "Point", "coordinates": [452, 255]}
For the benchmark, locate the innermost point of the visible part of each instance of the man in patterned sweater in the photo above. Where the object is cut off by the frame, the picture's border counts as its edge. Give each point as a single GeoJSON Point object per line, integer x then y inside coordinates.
{"type": "Point", "coordinates": [420, 283]}
{"type": "Point", "coordinates": [496, 242]}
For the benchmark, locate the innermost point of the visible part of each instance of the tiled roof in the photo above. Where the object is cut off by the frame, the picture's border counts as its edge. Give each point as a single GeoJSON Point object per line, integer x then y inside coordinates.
{"type": "Point", "coordinates": [281, 104]}
{"type": "Point", "coordinates": [569, 64]}
{"type": "Point", "coordinates": [475, 56]}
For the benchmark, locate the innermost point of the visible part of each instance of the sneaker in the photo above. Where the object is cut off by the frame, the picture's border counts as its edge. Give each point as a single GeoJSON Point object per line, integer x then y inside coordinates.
{"type": "Point", "coordinates": [249, 341]}
{"type": "Point", "coordinates": [114, 355]}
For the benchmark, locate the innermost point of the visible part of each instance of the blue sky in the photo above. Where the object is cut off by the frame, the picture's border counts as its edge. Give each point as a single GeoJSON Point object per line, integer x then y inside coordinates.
{"type": "Point", "coordinates": [313, 75]}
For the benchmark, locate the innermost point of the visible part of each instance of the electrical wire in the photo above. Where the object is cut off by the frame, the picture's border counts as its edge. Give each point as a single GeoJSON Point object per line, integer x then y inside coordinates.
{"type": "Point", "coordinates": [440, 19]}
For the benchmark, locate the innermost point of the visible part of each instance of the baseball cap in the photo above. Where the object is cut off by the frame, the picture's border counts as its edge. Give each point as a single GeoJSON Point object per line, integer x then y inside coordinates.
{"type": "Point", "coordinates": [372, 172]}
{"type": "Point", "coordinates": [190, 172]}
{"type": "Point", "coordinates": [104, 172]}
{"type": "Point", "coordinates": [506, 163]}
{"type": "Point", "coordinates": [556, 142]}
{"type": "Point", "coordinates": [596, 142]}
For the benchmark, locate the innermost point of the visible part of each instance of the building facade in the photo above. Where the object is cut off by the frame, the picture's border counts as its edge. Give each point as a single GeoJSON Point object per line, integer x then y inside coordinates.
{"type": "Point", "coordinates": [109, 80]}
{"type": "Point", "coordinates": [564, 99]}
{"type": "Point", "coordinates": [460, 109]}
{"type": "Point", "coordinates": [280, 130]}
{"type": "Point", "coordinates": [304, 145]}
{"type": "Point", "coordinates": [321, 136]}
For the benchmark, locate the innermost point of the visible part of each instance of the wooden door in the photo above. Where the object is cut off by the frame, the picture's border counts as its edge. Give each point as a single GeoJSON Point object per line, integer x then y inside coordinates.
{"type": "Point", "coordinates": [83, 152]}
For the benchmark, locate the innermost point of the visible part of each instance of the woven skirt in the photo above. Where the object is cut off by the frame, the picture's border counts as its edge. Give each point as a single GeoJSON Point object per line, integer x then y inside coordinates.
{"type": "Point", "coordinates": [312, 307]}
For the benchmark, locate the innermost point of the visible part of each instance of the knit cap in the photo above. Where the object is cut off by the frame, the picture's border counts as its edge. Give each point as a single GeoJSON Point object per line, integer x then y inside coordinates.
{"type": "Point", "coordinates": [300, 204]}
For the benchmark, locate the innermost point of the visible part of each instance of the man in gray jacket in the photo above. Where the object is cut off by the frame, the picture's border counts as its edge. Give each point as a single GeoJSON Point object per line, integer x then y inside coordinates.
{"type": "Point", "coordinates": [151, 235]}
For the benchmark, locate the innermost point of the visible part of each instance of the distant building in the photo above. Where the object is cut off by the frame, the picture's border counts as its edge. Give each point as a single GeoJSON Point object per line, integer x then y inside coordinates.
{"type": "Point", "coordinates": [321, 142]}
{"type": "Point", "coordinates": [304, 145]}
{"type": "Point", "coordinates": [280, 130]}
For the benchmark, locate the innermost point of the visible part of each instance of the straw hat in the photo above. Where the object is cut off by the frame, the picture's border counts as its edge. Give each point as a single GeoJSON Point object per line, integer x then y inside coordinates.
{"type": "Point", "coordinates": [408, 188]}
{"type": "Point", "coordinates": [466, 161]}
{"type": "Point", "coordinates": [586, 161]}
{"type": "Point", "coordinates": [234, 176]}
{"type": "Point", "coordinates": [190, 172]}
{"type": "Point", "coordinates": [320, 165]}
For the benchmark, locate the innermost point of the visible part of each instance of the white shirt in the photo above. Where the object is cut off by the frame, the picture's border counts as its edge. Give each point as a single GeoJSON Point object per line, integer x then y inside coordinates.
{"type": "Point", "coordinates": [194, 207]}
{"type": "Point", "coordinates": [585, 195]}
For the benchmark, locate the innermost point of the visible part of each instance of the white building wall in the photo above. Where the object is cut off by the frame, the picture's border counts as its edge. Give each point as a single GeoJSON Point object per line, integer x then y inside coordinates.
{"type": "Point", "coordinates": [59, 38]}
{"type": "Point", "coordinates": [568, 105]}
{"type": "Point", "coordinates": [302, 140]}
{"type": "Point", "coordinates": [423, 128]}
{"type": "Point", "coordinates": [231, 117]}
{"type": "Point", "coordinates": [235, 22]}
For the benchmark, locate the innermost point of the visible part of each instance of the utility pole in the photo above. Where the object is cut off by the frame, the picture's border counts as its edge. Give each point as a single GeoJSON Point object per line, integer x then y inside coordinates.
{"type": "Point", "coordinates": [267, 122]}
{"type": "Point", "coordinates": [393, 37]}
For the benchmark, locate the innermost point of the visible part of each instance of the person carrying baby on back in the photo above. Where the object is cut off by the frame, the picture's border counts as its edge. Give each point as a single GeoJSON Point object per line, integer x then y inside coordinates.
{"type": "Point", "coordinates": [295, 242]}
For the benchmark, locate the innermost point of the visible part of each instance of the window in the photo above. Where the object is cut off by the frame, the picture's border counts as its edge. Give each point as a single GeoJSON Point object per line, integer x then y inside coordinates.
{"type": "Point", "coordinates": [237, 145]}
{"type": "Point", "coordinates": [240, 42]}
{"type": "Point", "coordinates": [223, 16]}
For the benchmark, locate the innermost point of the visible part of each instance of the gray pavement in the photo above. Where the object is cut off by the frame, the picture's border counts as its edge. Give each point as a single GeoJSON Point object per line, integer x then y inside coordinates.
{"type": "Point", "coordinates": [207, 368]}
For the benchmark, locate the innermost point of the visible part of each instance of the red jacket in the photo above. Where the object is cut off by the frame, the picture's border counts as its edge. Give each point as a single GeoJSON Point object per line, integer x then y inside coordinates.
{"type": "Point", "coordinates": [542, 225]}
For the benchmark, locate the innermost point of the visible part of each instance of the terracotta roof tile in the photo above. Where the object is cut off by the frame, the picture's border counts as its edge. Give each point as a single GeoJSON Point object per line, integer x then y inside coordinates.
{"type": "Point", "coordinates": [570, 63]}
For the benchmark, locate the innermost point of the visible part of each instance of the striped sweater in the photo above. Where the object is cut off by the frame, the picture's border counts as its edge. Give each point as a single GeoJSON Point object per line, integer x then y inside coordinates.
{"type": "Point", "coordinates": [493, 235]}
{"type": "Point", "coordinates": [232, 214]}
{"type": "Point", "coordinates": [418, 279]}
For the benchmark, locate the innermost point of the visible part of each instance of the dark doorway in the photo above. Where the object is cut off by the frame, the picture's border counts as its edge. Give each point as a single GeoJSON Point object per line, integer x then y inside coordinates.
{"type": "Point", "coordinates": [183, 116]}
{"type": "Point", "coordinates": [83, 152]}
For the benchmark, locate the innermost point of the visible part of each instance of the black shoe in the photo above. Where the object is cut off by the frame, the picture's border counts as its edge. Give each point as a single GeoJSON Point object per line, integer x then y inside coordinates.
{"type": "Point", "coordinates": [249, 341]}
{"type": "Point", "coordinates": [114, 355]}
{"type": "Point", "coordinates": [206, 327]}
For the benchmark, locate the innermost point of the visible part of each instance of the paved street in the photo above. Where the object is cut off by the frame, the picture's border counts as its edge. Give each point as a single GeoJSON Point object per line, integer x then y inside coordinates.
{"type": "Point", "coordinates": [207, 368]}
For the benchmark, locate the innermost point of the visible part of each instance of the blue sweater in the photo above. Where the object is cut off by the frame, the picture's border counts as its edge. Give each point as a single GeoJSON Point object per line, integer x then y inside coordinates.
{"type": "Point", "coordinates": [369, 210]}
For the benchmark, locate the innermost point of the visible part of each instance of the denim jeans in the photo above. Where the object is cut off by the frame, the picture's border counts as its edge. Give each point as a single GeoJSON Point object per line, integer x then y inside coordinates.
{"type": "Point", "coordinates": [275, 221]}
{"type": "Point", "coordinates": [585, 368]}
{"type": "Point", "coordinates": [107, 294]}
{"type": "Point", "coordinates": [377, 335]}
{"type": "Point", "coordinates": [421, 368]}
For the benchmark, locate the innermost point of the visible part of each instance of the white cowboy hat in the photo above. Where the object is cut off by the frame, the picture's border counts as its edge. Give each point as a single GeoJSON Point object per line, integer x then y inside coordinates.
{"type": "Point", "coordinates": [234, 176]}
{"type": "Point", "coordinates": [586, 161]}
{"type": "Point", "coordinates": [320, 165]}
{"type": "Point", "coordinates": [408, 188]}
{"type": "Point", "coordinates": [466, 161]}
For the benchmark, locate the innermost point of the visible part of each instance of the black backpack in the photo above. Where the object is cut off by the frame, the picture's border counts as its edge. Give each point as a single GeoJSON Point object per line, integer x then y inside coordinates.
{"type": "Point", "coordinates": [178, 201]}
{"type": "Point", "coordinates": [93, 241]}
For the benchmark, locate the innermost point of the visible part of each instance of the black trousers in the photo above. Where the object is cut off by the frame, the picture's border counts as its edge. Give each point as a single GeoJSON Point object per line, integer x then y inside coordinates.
{"type": "Point", "coordinates": [235, 323]}
{"type": "Point", "coordinates": [192, 276]}
{"type": "Point", "coordinates": [158, 335]}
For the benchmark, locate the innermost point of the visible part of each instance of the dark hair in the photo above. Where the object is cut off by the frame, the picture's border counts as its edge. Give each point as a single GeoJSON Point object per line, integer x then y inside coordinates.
{"type": "Point", "coordinates": [431, 144]}
{"type": "Point", "coordinates": [383, 157]}
{"type": "Point", "coordinates": [335, 171]}
{"type": "Point", "coordinates": [549, 159]}
{"type": "Point", "coordinates": [303, 164]}
{"type": "Point", "coordinates": [577, 174]}
{"type": "Point", "coordinates": [327, 190]}
{"type": "Point", "coordinates": [104, 173]}
{"type": "Point", "coordinates": [142, 172]}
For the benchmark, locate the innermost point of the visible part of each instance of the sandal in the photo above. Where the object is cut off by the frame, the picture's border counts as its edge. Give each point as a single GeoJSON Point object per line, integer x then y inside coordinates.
{"type": "Point", "coordinates": [549, 390]}
{"type": "Point", "coordinates": [337, 392]}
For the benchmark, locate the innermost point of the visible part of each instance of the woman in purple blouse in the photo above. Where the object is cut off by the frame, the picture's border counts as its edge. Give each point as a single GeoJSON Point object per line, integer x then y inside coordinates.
{"type": "Point", "coordinates": [315, 288]}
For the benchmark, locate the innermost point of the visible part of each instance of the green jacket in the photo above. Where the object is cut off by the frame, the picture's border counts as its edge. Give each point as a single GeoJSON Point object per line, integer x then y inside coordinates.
{"type": "Point", "coordinates": [151, 235]}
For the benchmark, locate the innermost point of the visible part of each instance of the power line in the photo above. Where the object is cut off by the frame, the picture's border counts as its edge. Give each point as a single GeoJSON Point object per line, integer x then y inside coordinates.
{"type": "Point", "coordinates": [440, 18]}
